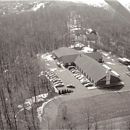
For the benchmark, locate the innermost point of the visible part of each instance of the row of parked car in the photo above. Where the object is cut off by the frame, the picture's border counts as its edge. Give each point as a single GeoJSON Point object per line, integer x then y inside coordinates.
{"type": "Point", "coordinates": [54, 78]}
{"type": "Point", "coordinates": [80, 76]}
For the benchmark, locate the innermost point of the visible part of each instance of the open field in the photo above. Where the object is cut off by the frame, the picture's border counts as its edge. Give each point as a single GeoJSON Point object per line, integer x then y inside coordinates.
{"type": "Point", "coordinates": [103, 107]}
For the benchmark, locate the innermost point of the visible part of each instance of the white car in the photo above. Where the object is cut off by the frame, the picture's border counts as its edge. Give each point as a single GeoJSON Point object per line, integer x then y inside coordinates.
{"type": "Point", "coordinates": [81, 77]}
{"type": "Point", "coordinates": [85, 82]}
{"type": "Point", "coordinates": [88, 84]}
{"type": "Point", "coordinates": [77, 76]}
{"type": "Point", "coordinates": [58, 64]}
{"type": "Point", "coordinates": [73, 71]}
{"type": "Point", "coordinates": [59, 85]}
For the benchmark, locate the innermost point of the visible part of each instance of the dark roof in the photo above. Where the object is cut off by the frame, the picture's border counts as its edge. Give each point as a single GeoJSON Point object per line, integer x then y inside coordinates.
{"type": "Point", "coordinates": [90, 67]}
{"type": "Point", "coordinates": [64, 51]}
{"type": "Point", "coordinates": [69, 58]}
{"type": "Point", "coordinates": [94, 55]}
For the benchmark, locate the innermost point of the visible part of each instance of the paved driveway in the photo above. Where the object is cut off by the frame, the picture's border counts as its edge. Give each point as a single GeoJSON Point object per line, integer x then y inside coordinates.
{"type": "Point", "coordinates": [120, 69]}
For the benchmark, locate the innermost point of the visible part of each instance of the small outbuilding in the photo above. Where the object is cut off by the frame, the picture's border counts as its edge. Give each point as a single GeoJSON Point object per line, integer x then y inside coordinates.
{"type": "Point", "coordinates": [95, 55]}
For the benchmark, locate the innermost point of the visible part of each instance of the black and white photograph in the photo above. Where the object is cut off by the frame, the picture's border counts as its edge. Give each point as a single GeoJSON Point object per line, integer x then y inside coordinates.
{"type": "Point", "coordinates": [65, 65]}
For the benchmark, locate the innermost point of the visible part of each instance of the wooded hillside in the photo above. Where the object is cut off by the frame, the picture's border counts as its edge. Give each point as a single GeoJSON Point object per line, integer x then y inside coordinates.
{"type": "Point", "coordinates": [24, 35]}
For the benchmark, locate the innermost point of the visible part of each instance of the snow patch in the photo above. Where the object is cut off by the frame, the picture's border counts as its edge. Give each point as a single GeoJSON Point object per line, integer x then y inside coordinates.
{"type": "Point", "coordinates": [5, 71]}
{"type": "Point", "coordinates": [29, 102]}
{"type": "Point", "coordinates": [48, 64]}
{"type": "Point", "coordinates": [38, 6]}
{"type": "Point", "coordinates": [53, 69]}
{"type": "Point", "coordinates": [87, 49]}
{"type": "Point", "coordinates": [41, 73]}
{"type": "Point", "coordinates": [20, 106]}
{"type": "Point", "coordinates": [47, 56]}
{"type": "Point", "coordinates": [113, 60]}
{"type": "Point", "coordinates": [40, 109]}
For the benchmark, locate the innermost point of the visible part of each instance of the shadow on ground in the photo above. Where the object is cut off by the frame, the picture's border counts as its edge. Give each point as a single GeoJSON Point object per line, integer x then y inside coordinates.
{"type": "Point", "coordinates": [116, 88]}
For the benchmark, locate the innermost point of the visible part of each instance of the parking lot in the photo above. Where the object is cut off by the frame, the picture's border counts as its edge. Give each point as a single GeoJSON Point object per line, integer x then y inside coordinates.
{"type": "Point", "coordinates": [80, 90]}
{"type": "Point", "coordinates": [121, 69]}
{"type": "Point", "coordinates": [107, 101]}
{"type": "Point", "coordinates": [68, 78]}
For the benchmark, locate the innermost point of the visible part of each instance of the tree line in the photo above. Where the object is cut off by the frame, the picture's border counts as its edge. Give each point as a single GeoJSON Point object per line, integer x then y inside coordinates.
{"type": "Point", "coordinates": [24, 35]}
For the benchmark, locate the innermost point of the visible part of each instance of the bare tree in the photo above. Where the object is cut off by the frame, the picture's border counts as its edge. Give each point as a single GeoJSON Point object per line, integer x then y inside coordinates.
{"type": "Point", "coordinates": [95, 122]}
{"type": "Point", "coordinates": [126, 124]}
{"type": "Point", "coordinates": [89, 119]}
{"type": "Point", "coordinates": [108, 124]}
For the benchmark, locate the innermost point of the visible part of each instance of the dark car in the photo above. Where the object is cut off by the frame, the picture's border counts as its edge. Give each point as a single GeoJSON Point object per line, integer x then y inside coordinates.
{"type": "Point", "coordinates": [70, 86]}
{"type": "Point", "coordinates": [53, 57]}
{"type": "Point", "coordinates": [85, 82]}
{"type": "Point", "coordinates": [71, 67]}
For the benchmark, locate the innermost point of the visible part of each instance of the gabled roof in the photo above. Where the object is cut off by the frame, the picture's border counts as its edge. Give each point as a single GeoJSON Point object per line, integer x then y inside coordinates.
{"type": "Point", "coordinates": [63, 51]}
{"type": "Point", "coordinates": [69, 59]}
{"type": "Point", "coordinates": [90, 67]}
{"type": "Point", "coordinates": [94, 55]}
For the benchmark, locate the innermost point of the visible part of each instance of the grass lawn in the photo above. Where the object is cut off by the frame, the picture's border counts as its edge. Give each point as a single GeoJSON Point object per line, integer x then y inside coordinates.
{"type": "Point", "coordinates": [74, 113]}
{"type": "Point", "coordinates": [73, 110]}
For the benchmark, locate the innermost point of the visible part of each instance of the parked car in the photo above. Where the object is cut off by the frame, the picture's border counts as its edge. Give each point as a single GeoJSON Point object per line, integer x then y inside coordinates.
{"type": "Point", "coordinates": [85, 82]}
{"type": "Point", "coordinates": [53, 76]}
{"type": "Point", "coordinates": [84, 79]}
{"type": "Point", "coordinates": [70, 86]}
{"type": "Point", "coordinates": [128, 67]}
{"type": "Point", "coordinates": [76, 72]}
{"type": "Point", "coordinates": [57, 82]}
{"type": "Point", "coordinates": [77, 76]}
{"type": "Point", "coordinates": [59, 85]}
{"type": "Point", "coordinates": [71, 67]}
{"type": "Point", "coordinates": [81, 77]}
{"type": "Point", "coordinates": [128, 73]}
{"type": "Point", "coordinates": [88, 84]}
{"type": "Point", "coordinates": [53, 57]}
{"type": "Point", "coordinates": [58, 64]}
{"type": "Point", "coordinates": [73, 71]}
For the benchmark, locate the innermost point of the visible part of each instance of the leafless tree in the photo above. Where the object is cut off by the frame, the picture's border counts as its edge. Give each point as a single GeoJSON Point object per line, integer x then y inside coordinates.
{"type": "Point", "coordinates": [126, 124]}
{"type": "Point", "coordinates": [88, 118]}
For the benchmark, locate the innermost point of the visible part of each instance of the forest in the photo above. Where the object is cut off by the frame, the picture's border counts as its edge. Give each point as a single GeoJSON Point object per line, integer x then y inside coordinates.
{"type": "Point", "coordinates": [24, 35]}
